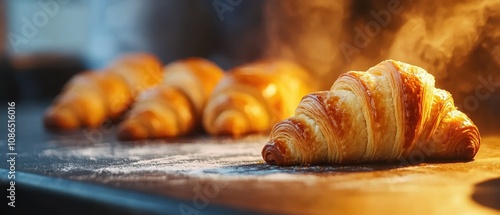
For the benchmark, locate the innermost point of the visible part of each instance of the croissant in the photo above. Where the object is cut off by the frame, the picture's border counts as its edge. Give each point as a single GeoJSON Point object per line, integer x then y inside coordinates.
{"type": "Point", "coordinates": [174, 107]}
{"type": "Point", "coordinates": [92, 97]}
{"type": "Point", "coordinates": [391, 112]}
{"type": "Point", "coordinates": [253, 97]}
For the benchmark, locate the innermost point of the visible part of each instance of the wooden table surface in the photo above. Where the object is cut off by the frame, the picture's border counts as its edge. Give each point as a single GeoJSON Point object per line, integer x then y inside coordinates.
{"type": "Point", "coordinates": [207, 171]}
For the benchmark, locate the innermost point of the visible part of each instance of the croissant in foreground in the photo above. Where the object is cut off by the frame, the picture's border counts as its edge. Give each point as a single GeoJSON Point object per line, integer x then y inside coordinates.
{"type": "Point", "coordinates": [92, 97]}
{"type": "Point", "coordinates": [384, 114]}
{"type": "Point", "coordinates": [173, 107]}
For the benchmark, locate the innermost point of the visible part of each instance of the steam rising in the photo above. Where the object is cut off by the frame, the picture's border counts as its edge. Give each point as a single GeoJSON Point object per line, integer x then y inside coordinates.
{"type": "Point", "coordinates": [457, 41]}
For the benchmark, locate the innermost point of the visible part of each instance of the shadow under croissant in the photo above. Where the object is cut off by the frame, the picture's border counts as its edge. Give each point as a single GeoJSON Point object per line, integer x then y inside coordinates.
{"type": "Point", "coordinates": [487, 193]}
{"type": "Point", "coordinates": [265, 169]}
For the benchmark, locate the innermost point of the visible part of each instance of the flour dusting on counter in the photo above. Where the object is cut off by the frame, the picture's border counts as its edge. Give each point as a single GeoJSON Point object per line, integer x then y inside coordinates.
{"type": "Point", "coordinates": [199, 157]}
{"type": "Point", "coordinates": [204, 158]}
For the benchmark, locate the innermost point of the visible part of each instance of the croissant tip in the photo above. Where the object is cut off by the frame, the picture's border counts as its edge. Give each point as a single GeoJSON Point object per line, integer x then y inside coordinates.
{"type": "Point", "coordinates": [470, 153]}
{"type": "Point", "coordinates": [468, 149]}
{"type": "Point", "coordinates": [272, 155]}
{"type": "Point", "coordinates": [60, 120]}
{"type": "Point", "coordinates": [131, 131]}
{"type": "Point", "coordinates": [230, 123]}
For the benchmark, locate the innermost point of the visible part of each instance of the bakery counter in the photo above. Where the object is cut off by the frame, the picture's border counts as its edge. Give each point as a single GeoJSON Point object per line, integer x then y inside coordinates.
{"type": "Point", "coordinates": [89, 171]}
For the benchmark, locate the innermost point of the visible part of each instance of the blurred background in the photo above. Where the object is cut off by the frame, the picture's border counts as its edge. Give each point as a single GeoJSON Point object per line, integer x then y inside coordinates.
{"type": "Point", "coordinates": [45, 42]}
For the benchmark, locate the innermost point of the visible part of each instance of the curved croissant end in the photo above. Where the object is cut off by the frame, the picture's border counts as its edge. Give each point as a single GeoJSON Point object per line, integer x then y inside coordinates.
{"type": "Point", "coordinates": [174, 107]}
{"type": "Point", "coordinates": [72, 112]}
{"type": "Point", "coordinates": [253, 97]}
{"type": "Point", "coordinates": [87, 100]}
{"type": "Point", "coordinates": [392, 111]}
{"type": "Point", "coordinates": [449, 125]}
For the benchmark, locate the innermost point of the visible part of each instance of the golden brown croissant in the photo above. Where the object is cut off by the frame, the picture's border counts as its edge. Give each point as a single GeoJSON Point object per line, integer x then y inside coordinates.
{"type": "Point", "coordinates": [253, 97]}
{"type": "Point", "coordinates": [384, 114]}
{"type": "Point", "coordinates": [174, 107]}
{"type": "Point", "coordinates": [91, 97]}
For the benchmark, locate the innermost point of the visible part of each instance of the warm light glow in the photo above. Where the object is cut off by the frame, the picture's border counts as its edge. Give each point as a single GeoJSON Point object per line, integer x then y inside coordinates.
{"type": "Point", "coordinates": [270, 90]}
{"type": "Point", "coordinates": [457, 41]}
